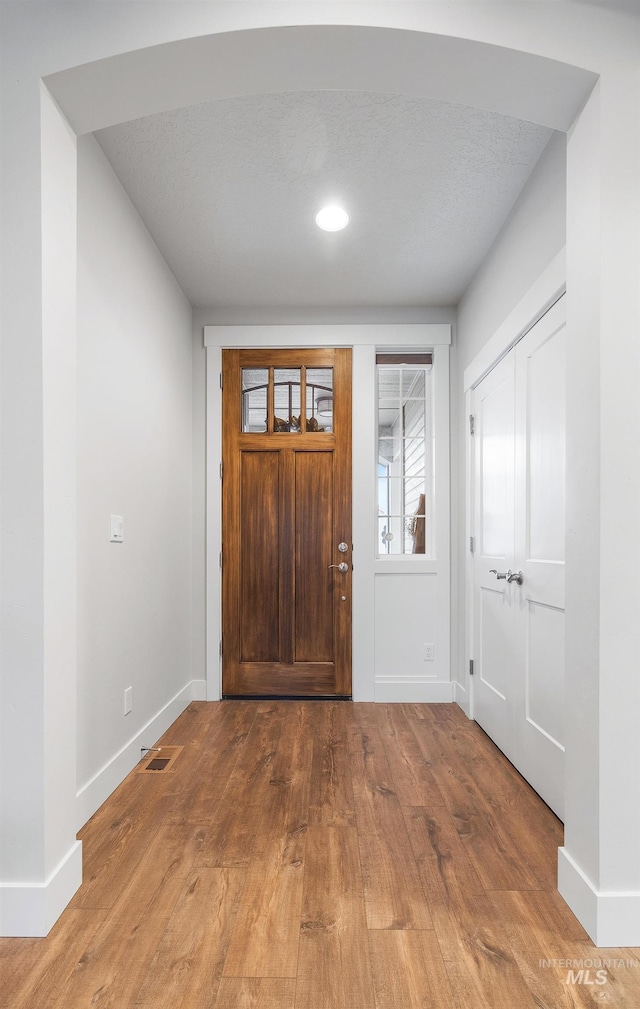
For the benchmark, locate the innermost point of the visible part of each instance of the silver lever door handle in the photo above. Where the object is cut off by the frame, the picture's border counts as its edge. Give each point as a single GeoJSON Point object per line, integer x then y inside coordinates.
{"type": "Point", "coordinates": [515, 576]}
{"type": "Point", "coordinates": [343, 567]}
{"type": "Point", "coordinates": [499, 574]}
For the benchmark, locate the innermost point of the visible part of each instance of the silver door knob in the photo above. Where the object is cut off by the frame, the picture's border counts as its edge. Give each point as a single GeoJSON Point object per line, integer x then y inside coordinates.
{"type": "Point", "coordinates": [343, 567]}
{"type": "Point", "coordinates": [499, 574]}
{"type": "Point", "coordinates": [343, 547]}
{"type": "Point", "coordinates": [515, 576]}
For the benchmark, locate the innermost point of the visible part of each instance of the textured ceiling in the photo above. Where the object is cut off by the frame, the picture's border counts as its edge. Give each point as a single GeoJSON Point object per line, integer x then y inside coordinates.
{"type": "Point", "coordinates": [229, 191]}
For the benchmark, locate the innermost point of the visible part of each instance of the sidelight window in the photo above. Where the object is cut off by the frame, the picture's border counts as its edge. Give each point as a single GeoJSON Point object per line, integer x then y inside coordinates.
{"type": "Point", "coordinates": [405, 454]}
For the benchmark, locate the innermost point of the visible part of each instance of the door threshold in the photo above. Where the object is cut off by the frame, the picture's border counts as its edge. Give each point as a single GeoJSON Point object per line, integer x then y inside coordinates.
{"type": "Point", "coordinates": [287, 697]}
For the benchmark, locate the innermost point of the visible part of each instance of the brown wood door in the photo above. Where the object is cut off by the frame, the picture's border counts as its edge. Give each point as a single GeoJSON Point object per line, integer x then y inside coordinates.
{"type": "Point", "coordinates": [286, 508]}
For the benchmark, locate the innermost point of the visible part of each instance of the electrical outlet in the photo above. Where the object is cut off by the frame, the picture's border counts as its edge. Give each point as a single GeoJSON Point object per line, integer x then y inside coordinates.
{"type": "Point", "coordinates": [428, 652]}
{"type": "Point", "coordinates": [128, 700]}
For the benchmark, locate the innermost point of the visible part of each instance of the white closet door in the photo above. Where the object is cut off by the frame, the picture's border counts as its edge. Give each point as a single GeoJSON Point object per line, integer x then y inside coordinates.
{"type": "Point", "coordinates": [495, 653]}
{"type": "Point", "coordinates": [519, 524]}
{"type": "Point", "coordinates": [539, 553]}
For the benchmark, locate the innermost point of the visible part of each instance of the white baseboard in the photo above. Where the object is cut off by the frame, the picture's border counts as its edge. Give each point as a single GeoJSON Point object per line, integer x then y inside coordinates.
{"type": "Point", "coordinates": [31, 909]}
{"type": "Point", "coordinates": [199, 690]}
{"type": "Point", "coordinates": [414, 691]}
{"type": "Point", "coordinates": [611, 919]}
{"type": "Point", "coordinates": [461, 697]}
{"type": "Point", "coordinates": [92, 794]}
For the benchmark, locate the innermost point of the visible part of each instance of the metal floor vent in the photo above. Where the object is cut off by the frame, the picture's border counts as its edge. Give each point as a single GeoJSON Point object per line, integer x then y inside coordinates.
{"type": "Point", "coordinates": [160, 759]}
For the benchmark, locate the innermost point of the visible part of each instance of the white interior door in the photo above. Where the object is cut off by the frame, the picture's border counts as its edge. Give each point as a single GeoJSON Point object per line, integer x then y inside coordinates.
{"type": "Point", "coordinates": [519, 526]}
{"type": "Point", "coordinates": [494, 629]}
{"type": "Point", "coordinates": [539, 553]}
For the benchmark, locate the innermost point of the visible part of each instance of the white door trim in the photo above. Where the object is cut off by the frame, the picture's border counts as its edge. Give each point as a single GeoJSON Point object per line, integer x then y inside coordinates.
{"type": "Point", "coordinates": [402, 335]}
{"type": "Point", "coordinates": [364, 339]}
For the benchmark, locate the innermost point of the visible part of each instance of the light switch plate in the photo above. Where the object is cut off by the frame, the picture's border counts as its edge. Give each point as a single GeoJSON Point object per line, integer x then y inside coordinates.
{"type": "Point", "coordinates": [116, 529]}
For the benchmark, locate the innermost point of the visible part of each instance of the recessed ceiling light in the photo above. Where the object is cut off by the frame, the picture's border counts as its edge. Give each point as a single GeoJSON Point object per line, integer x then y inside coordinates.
{"type": "Point", "coordinates": [332, 218]}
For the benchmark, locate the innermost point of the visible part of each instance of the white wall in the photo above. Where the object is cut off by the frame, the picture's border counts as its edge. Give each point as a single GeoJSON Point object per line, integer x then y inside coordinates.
{"type": "Point", "coordinates": [532, 236]}
{"type": "Point", "coordinates": [134, 459]}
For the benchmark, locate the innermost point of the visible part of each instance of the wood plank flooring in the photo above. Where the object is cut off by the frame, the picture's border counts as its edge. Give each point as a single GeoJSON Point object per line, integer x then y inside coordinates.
{"type": "Point", "coordinates": [319, 855]}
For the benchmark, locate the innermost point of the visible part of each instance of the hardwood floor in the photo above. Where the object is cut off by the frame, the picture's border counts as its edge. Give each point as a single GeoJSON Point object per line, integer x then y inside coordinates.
{"type": "Point", "coordinates": [319, 855]}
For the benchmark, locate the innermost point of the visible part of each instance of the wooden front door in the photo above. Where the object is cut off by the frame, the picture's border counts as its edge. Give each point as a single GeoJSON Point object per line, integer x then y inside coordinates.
{"type": "Point", "coordinates": [286, 523]}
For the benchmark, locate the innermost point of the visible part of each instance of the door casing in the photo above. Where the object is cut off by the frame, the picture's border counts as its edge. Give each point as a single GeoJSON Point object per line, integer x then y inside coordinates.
{"type": "Point", "coordinates": [365, 340]}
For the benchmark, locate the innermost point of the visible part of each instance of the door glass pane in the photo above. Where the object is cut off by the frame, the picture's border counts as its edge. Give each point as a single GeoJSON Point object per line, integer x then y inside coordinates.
{"type": "Point", "coordinates": [286, 399]}
{"type": "Point", "coordinates": [413, 491]}
{"type": "Point", "coordinates": [415, 529]}
{"type": "Point", "coordinates": [413, 383]}
{"type": "Point", "coordinates": [391, 534]}
{"type": "Point", "coordinates": [387, 449]}
{"type": "Point", "coordinates": [413, 418]}
{"type": "Point", "coordinates": [255, 382]}
{"type": "Point", "coordinates": [319, 399]}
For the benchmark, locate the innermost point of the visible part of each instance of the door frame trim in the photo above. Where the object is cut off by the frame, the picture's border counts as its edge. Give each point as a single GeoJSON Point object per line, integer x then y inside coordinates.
{"type": "Point", "coordinates": [550, 286]}
{"type": "Point", "coordinates": [359, 337]}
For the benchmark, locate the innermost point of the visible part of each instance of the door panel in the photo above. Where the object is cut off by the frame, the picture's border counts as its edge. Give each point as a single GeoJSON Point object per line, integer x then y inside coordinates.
{"type": "Point", "coordinates": [493, 639]}
{"type": "Point", "coordinates": [495, 668]}
{"type": "Point", "coordinates": [259, 557]}
{"type": "Point", "coordinates": [286, 612]}
{"type": "Point", "coordinates": [539, 545]}
{"type": "Point", "coordinates": [314, 553]}
{"type": "Point", "coordinates": [544, 670]}
{"type": "Point", "coordinates": [496, 447]}
{"type": "Point", "coordinates": [520, 522]}
{"type": "Point", "coordinates": [541, 380]}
